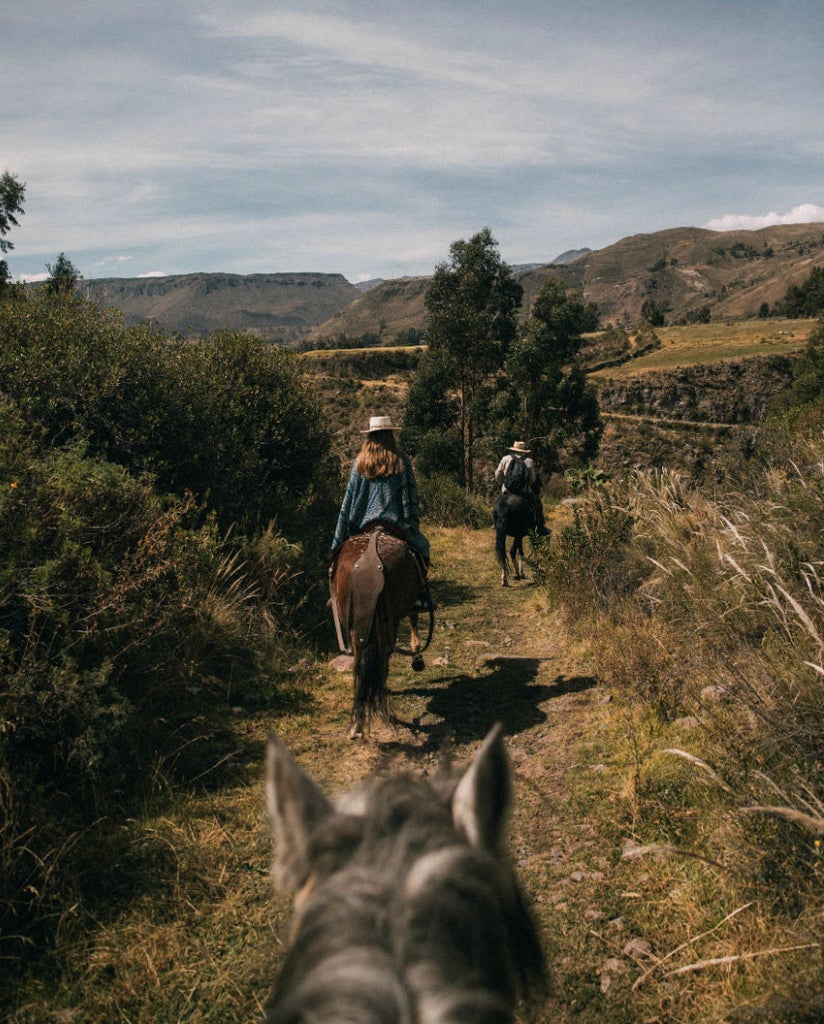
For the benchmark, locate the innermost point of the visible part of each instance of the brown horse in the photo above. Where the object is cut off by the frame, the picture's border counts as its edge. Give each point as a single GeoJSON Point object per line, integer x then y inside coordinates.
{"type": "Point", "coordinates": [375, 582]}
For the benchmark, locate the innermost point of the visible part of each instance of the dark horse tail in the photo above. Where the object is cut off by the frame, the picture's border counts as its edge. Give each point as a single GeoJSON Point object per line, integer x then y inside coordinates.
{"type": "Point", "coordinates": [370, 677]}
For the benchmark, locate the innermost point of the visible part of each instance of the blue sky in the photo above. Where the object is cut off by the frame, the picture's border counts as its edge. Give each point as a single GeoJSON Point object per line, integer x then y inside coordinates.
{"type": "Point", "coordinates": [364, 138]}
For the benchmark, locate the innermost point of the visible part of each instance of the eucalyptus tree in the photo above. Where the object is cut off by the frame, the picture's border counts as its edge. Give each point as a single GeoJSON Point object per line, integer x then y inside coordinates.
{"type": "Point", "coordinates": [471, 304]}
{"type": "Point", "coordinates": [12, 194]}
{"type": "Point", "coordinates": [63, 276]}
{"type": "Point", "coordinates": [554, 406]}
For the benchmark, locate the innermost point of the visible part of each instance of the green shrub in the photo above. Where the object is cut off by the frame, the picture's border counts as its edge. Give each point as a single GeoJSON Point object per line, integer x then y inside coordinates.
{"type": "Point", "coordinates": [590, 564]}
{"type": "Point", "coordinates": [154, 501]}
{"type": "Point", "coordinates": [125, 622]}
{"type": "Point", "coordinates": [227, 419]}
{"type": "Point", "coordinates": [445, 503]}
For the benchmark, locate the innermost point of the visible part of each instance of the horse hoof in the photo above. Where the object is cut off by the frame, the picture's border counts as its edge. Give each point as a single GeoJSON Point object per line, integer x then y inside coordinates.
{"type": "Point", "coordinates": [418, 664]}
{"type": "Point", "coordinates": [356, 733]}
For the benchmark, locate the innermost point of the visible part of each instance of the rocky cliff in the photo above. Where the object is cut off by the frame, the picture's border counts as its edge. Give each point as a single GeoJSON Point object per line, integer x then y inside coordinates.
{"type": "Point", "coordinates": [731, 392]}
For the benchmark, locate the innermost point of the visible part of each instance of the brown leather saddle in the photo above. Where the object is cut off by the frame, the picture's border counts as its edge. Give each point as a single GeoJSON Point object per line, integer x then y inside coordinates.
{"type": "Point", "coordinates": [367, 578]}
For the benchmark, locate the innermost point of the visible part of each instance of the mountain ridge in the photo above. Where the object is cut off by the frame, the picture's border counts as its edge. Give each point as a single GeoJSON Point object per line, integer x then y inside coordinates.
{"type": "Point", "coordinates": [277, 307]}
{"type": "Point", "coordinates": [684, 271]}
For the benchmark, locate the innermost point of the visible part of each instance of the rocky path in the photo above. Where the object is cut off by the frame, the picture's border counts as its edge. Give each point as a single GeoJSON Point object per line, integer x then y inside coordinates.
{"type": "Point", "coordinates": [498, 655]}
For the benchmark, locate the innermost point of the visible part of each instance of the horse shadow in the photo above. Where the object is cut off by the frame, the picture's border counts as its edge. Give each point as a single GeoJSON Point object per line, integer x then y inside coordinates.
{"type": "Point", "coordinates": [449, 594]}
{"type": "Point", "coordinates": [469, 705]}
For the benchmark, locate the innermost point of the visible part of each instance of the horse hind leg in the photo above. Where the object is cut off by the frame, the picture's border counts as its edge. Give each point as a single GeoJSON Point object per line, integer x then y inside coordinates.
{"type": "Point", "coordinates": [500, 553]}
{"type": "Point", "coordinates": [418, 664]}
{"type": "Point", "coordinates": [516, 553]}
{"type": "Point", "coordinates": [519, 563]}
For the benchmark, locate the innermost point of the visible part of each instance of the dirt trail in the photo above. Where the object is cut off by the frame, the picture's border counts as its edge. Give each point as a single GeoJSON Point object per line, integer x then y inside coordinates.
{"type": "Point", "coordinates": [496, 656]}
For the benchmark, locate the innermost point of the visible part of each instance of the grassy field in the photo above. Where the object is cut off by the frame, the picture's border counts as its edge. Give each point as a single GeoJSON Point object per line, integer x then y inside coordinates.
{"type": "Point", "coordinates": [696, 344]}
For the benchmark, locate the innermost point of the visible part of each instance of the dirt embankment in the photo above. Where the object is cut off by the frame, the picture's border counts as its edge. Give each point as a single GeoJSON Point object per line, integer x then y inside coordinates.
{"type": "Point", "coordinates": [733, 392]}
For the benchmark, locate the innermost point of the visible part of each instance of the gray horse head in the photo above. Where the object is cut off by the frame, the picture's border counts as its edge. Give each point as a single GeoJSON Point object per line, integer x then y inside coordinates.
{"type": "Point", "coordinates": [407, 908]}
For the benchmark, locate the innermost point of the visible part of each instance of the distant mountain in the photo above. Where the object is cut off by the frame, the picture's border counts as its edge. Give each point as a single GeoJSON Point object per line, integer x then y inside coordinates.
{"type": "Point", "coordinates": [386, 311]}
{"type": "Point", "coordinates": [276, 307]}
{"type": "Point", "coordinates": [570, 256]}
{"type": "Point", "coordinates": [683, 270]}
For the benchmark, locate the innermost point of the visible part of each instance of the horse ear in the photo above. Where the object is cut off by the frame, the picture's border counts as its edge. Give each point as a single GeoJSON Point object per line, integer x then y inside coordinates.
{"type": "Point", "coordinates": [295, 805]}
{"type": "Point", "coordinates": [483, 797]}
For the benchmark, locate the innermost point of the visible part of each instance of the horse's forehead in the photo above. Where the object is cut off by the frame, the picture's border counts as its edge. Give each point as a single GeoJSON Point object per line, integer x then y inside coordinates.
{"type": "Point", "coordinates": [389, 804]}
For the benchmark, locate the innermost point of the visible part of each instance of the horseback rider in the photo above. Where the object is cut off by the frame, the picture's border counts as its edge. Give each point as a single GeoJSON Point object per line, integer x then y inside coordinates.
{"type": "Point", "coordinates": [524, 481]}
{"type": "Point", "coordinates": [382, 487]}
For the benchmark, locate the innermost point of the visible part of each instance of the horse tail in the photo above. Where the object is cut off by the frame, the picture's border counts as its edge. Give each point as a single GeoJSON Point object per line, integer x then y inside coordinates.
{"type": "Point", "coordinates": [370, 680]}
{"type": "Point", "coordinates": [500, 544]}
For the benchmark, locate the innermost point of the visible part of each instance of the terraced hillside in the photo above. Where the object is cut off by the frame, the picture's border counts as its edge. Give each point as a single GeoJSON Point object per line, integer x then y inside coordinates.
{"type": "Point", "coordinates": [691, 399]}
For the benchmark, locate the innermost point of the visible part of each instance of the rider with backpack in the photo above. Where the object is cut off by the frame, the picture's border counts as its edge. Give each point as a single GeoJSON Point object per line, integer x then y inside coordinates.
{"type": "Point", "coordinates": [517, 474]}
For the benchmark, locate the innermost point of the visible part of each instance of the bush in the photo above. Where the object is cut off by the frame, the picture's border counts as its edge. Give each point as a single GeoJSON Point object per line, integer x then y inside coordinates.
{"type": "Point", "coordinates": [227, 419]}
{"type": "Point", "coordinates": [590, 564]}
{"type": "Point", "coordinates": [121, 626]}
{"type": "Point", "coordinates": [445, 503]}
{"type": "Point", "coordinates": [154, 497]}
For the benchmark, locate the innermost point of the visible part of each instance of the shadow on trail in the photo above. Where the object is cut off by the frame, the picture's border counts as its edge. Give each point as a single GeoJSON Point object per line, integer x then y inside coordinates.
{"type": "Point", "coordinates": [450, 594]}
{"type": "Point", "coordinates": [505, 691]}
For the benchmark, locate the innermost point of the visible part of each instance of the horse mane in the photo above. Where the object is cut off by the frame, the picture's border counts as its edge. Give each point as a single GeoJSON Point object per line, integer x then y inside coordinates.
{"type": "Point", "coordinates": [411, 912]}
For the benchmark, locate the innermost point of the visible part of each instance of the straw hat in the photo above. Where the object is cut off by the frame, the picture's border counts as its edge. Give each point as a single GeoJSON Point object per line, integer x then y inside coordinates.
{"type": "Point", "coordinates": [520, 448]}
{"type": "Point", "coordinates": [377, 423]}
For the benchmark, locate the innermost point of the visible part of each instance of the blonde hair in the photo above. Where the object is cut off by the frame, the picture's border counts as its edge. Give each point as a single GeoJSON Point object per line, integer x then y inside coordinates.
{"type": "Point", "coordinates": [378, 456]}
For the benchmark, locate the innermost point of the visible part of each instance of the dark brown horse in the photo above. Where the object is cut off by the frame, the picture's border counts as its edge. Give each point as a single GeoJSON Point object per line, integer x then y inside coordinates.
{"type": "Point", "coordinates": [375, 583]}
{"type": "Point", "coordinates": [407, 907]}
{"type": "Point", "coordinates": [513, 515]}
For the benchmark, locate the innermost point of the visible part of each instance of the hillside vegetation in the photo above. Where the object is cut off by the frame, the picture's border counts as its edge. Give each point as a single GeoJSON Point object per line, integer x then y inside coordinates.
{"type": "Point", "coordinates": [730, 274]}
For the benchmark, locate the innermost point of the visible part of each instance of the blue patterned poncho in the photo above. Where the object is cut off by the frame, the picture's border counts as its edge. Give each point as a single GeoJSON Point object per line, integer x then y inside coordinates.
{"type": "Point", "coordinates": [391, 498]}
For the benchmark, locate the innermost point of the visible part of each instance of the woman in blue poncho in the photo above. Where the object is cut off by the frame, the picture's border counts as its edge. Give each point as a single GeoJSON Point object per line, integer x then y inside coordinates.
{"type": "Point", "coordinates": [381, 487]}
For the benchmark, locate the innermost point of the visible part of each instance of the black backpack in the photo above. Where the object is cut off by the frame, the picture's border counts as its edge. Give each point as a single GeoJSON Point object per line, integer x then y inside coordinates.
{"type": "Point", "coordinates": [516, 478]}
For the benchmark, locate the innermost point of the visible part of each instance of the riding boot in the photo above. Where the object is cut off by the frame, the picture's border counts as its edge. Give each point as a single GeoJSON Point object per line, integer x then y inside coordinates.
{"type": "Point", "coordinates": [424, 603]}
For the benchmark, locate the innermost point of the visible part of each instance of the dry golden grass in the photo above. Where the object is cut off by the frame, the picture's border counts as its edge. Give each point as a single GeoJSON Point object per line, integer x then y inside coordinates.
{"type": "Point", "coordinates": [696, 344]}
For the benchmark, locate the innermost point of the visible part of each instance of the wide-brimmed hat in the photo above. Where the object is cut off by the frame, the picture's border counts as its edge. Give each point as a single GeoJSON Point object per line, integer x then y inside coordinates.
{"type": "Point", "coordinates": [377, 423]}
{"type": "Point", "coordinates": [520, 448]}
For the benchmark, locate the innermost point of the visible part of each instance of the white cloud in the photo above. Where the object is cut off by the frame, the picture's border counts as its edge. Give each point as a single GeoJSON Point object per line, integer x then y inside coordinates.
{"type": "Point", "coordinates": [31, 278]}
{"type": "Point", "coordinates": [154, 273]}
{"type": "Point", "coordinates": [806, 213]}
